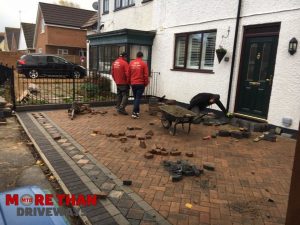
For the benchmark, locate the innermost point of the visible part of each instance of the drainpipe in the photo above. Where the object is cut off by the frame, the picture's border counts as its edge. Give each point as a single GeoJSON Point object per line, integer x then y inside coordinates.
{"type": "Point", "coordinates": [234, 53]}
{"type": "Point", "coordinates": [99, 16]}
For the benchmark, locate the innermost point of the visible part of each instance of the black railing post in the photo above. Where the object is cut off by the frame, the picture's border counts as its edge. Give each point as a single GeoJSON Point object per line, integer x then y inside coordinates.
{"type": "Point", "coordinates": [73, 86]}
{"type": "Point", "coordinates": [12, 88]}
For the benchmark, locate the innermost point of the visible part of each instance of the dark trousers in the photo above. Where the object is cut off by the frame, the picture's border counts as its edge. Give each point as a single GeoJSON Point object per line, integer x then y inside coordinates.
{"type": "Point", "coordinates": [138, 90]}
{"type": "Point", "coordinates": [122, 95]}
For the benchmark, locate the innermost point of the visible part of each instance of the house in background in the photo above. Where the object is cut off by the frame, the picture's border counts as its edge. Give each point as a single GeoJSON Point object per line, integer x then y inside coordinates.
{"type": "Point", "coordinates": [26, 37]}
{"type": "Point", "coordinates": [2, 37]}
{"type": "Point", "coordinates": [259, 77]}
{"type": "Point", "coordinates": [11, 39]}
{"type": "Point", "coordinates": [58, 30]}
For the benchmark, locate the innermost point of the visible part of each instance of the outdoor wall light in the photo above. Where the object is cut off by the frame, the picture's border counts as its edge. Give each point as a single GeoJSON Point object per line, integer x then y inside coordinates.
{"type": "Point", "coordinates": [293, 46]}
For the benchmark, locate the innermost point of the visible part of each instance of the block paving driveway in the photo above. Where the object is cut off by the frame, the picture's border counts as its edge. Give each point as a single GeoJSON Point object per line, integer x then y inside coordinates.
{"type": "Point", "coordinates": [250, 184]}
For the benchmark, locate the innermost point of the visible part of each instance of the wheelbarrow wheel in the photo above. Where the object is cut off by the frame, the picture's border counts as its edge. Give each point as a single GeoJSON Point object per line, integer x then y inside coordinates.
{"type": "Point", "coordinates": [166, 123]}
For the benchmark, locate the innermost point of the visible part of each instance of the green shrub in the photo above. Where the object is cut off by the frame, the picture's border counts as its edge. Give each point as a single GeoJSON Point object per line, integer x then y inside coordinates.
{"type": "Point", "coordinates": [96, 87]}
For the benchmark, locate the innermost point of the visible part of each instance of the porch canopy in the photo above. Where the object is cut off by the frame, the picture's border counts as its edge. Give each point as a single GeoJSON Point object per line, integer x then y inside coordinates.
{"type": "Point", "coordinates": [106, 47]}
{"type": "Point", "coordinates": [124, 36]}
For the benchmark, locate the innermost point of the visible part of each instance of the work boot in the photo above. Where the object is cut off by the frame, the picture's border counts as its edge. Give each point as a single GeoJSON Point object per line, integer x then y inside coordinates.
{"type": "Point", "coordinates": [122, 111]}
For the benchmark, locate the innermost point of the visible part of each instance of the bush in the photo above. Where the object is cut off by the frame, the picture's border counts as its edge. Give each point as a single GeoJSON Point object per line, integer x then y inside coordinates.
{"type": "Point", "coordinates": [96, 86]}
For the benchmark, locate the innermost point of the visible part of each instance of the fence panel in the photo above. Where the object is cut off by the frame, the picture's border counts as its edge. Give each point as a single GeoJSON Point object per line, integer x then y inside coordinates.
{"type": "Point", "coordinates": [93, 88]}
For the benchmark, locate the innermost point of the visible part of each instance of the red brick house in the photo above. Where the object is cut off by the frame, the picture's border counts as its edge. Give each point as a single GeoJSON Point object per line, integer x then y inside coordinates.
{"type": "Point", "coordinates": [58, 30]}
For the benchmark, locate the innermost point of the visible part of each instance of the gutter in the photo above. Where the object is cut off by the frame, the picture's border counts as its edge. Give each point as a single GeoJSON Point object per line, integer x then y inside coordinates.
{"type": "Point", "coordinates": [233, 53]}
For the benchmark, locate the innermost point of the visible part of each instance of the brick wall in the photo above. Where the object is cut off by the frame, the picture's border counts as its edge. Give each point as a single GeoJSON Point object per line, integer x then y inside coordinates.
{"type": "Point", "coordinates": [66, 37]}
{"type": "Point", "coordinates": [41, 38]}
{"type": "Point", "coordinates": [10, 58]}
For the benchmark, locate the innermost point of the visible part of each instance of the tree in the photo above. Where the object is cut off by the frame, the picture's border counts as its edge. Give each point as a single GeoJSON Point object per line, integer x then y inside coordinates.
{"type": "Point", "coordinates": [68, 3]}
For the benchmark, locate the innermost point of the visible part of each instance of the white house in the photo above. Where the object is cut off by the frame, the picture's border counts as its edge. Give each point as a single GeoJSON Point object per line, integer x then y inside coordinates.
{"type": "Point", "coordinates": [259, 77]}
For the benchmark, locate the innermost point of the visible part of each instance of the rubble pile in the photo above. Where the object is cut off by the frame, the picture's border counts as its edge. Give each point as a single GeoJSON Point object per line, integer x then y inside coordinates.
{"type": "Point", "coordinates": [181, 168]}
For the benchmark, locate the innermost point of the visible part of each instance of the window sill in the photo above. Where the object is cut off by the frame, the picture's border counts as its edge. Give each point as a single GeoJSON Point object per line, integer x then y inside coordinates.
{"type": "Point", "coordinates": [118, 9]}
{"type": "Point", "coordinates": [193, 70]}
{"type": "Point", "coordinates": [104, 13]}
{"type": "Point", "coordinates": [145, 1]}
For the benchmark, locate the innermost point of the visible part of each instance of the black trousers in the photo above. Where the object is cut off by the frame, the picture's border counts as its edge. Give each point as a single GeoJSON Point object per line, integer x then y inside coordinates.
{"type": "Point", "coordinates": [122, 95]}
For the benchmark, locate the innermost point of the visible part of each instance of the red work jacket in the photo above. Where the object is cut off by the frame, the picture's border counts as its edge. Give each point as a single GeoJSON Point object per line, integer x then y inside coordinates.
{"type": "Point", "coordinates": [119, 71]}
{"type": "Point", "coordinates": [138, 72]}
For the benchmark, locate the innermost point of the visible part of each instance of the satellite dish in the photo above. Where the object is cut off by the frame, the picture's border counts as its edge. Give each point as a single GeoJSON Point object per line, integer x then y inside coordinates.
{"type": "Point", "coordinates": [95, 5]}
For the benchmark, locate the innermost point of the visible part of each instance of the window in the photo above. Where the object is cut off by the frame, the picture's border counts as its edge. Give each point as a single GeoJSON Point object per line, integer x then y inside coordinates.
{"type": "Point", "coordinates": [40, 50]}
{"type": "Point", "coordinates": [107, 54]}
{"type": "Point", "coordinates": [119, 4]}
{"type": "Point", "coordinates": [82, 53]}
{"type": "Point", "coordinates": [62, 51]}
{"type": "Point", "coordinates": [134, 49]}
{"type": "Point", "coordinates": [42, 25]}
{"type": "Point", "coordinates": [105, 6]}
{"type": "Point", "coordinates": [195, 51]}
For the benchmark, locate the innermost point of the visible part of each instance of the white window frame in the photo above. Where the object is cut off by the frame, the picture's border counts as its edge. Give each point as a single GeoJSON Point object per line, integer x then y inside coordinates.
{"type": "Point", "coordinates": [105, 11]}
{"type": "Point", "coordinates": [204, 52]}
{"type": "Point", "coordinates": [122, 4]}
{"type": "Point", "coordinates": [62, 51]}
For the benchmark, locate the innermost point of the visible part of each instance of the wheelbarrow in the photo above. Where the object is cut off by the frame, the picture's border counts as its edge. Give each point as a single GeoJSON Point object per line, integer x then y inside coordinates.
{"type": "Point", "coordinates": [173, 114]}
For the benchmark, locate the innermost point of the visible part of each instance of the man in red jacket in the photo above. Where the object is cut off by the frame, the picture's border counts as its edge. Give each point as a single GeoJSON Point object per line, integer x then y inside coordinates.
{"type": "Point", "coordinates": [138, 78]}
{"type": "Point", "coordinates": [119, 71]}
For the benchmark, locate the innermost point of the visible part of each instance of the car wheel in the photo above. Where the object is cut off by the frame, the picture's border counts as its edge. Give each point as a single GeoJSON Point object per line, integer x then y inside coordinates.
{"type": "Point", "coordinates": [33, 74]}
{"type": "Point", "coordinates": [76, 74]}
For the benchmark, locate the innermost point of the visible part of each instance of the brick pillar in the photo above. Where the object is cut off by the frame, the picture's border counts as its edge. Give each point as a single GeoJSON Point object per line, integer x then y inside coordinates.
{"type": "Point", "coordinates": [293, 211]}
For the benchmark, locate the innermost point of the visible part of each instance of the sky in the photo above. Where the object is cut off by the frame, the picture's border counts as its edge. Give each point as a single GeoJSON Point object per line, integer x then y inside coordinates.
{"type": "Point", "coordinates": [14, 11]}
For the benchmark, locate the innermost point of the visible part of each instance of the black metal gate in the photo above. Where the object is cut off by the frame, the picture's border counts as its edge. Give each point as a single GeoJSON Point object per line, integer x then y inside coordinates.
{"type": "Point", "coordinates": [7, 84]}
{"type": "Point", "coordinates": [59, 91]}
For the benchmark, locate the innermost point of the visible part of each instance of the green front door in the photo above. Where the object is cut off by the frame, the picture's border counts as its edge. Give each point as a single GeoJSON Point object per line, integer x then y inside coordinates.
{"type": "Point", "coordinates": [256, 75]}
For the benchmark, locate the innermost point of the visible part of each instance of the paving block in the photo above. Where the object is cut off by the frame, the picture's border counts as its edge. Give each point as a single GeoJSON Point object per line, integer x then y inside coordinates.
{"type": "Point", "coordinates": [176, 177]}
{"type": "Point", "coordinates": [83, 161]}
{"type": "Point", "coordinates": [207, 137]}
{"type": "Point", "coordinates": [56, 136]}
{"type": "Point", "coordinates": [107, 186]}
{"type": "Point", "coordinates": [223, 133]}
{"type": "Point", "coordinates": [127, 182]}
{"type": "Point", "coordinates": [209, 166]}
{"type": "Point", "coordinates": [123, 139]}
{"type": "Point", "coordinates": [101, 194]}
{"type": "Point", "coordinates": [143, 144]}
{"type": "Point", "coordinates": [116, 194]}
{"type": "Point", "coordinates": [189, 154]}
{"type": "Point", "coordinates": [131, 136]}
{"type": "Point", "coordinates": [149, 156]}
{"type": "Point", "coordinates": [175, 153]}
{"type": "Point", "coordinates": [135, 214]}
{"type": "Point", "coordinates": [150, 132]}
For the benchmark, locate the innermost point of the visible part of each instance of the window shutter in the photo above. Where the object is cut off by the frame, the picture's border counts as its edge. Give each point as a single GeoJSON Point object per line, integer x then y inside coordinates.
{"type": "Point", "coordinates": [208, 53]}
{"type": "Point", "coordinates": [193, 60]}
{"type": "Point", "coordinates": [180, 51]}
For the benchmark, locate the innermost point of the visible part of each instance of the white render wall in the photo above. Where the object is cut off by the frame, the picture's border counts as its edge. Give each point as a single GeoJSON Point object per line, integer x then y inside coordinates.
{"type": "Point", "coordinates": [168, 17]}
{"type": "Point", "coordinates": [22, 43]}
{"type": "Point", "coordinates": [138, 17]}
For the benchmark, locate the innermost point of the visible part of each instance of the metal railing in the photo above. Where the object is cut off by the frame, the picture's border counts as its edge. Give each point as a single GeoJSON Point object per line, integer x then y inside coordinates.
{"type": "Point", "coordinates": [59, 89]}
{"type": "Point", "coordinates": [7, 84]}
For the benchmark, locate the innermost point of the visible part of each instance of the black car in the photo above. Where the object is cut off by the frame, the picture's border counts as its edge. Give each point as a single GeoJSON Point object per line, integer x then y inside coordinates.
{"type": "Point", "coordinates": [37, 65]}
